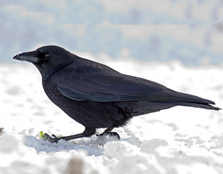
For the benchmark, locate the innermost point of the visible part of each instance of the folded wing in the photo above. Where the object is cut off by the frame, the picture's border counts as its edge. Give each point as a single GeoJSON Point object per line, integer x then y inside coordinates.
{"type": "Point", "coordinates": [115, 87]}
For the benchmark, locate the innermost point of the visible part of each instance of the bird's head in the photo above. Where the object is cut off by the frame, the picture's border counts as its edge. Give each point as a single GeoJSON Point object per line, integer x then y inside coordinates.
{"type": "Point", "coordinates": [47, 58]}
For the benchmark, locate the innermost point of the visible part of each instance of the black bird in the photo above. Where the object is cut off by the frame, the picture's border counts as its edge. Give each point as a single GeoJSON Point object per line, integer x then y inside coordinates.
{"type": "Point", "coordinates": [96, 95]}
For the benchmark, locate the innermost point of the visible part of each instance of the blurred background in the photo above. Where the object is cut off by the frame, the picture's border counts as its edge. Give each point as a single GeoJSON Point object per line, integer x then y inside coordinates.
{"type": "Point", "coordinates": [188, 31]}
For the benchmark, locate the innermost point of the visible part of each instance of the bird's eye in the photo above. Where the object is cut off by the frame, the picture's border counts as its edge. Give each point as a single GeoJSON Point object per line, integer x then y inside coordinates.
{"type": "Point", "coordinates": [44, 57]}
{"type": "Point", "coordinates": [47, 55]}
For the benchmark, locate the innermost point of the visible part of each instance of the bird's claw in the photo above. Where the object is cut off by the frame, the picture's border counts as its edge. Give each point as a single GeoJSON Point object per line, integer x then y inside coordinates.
{"type": "Point", "coordinates": [115, 134]}
{"type": "Point", "coordinates": [52, 138]}
{"type": "Point", "coordinates": [110, 134]}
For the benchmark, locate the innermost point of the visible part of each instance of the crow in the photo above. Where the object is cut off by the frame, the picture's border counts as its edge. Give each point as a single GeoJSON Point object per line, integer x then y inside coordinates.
{"type": "Point", "coordinates": [98, 96]}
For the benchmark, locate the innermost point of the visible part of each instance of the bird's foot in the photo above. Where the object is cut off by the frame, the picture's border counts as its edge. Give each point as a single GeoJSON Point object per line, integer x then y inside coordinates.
{"type": "Point", "coordinates": [111, 134]}
{"type": "Point", "coordinates": [52, 138]}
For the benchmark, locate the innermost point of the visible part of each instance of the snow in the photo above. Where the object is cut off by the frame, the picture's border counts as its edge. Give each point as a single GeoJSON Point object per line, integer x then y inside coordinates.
{"type": "Point", "coordinates": [179, 140]}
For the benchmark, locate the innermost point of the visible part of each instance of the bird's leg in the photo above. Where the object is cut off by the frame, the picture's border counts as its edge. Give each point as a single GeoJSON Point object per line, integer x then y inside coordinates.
{"type": "Point", "coordinates": [87, 132]}
{"type": "Point", "coordinates": [108, 132]}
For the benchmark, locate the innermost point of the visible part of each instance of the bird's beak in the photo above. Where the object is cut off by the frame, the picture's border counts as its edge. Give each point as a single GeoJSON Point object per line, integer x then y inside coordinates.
{"type": "Point", "coordinates": [28, 56]}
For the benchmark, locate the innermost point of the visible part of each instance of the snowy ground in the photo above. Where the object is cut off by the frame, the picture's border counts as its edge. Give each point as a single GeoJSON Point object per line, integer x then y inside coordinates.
{"type": "Point", "coordinates": [180, 140]}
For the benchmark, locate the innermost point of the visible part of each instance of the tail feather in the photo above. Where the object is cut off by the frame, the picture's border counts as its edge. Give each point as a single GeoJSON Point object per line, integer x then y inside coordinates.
{"type": "Point", "coordinates": [182, 99]}
{"type": "Point", "coordinates": [199, 105]}
{"type": "Point", "coordinates": [190, 98]}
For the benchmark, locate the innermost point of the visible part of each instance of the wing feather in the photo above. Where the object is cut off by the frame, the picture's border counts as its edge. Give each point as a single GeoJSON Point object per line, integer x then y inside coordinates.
{"type": "Point", "coordinates": [109, 86]}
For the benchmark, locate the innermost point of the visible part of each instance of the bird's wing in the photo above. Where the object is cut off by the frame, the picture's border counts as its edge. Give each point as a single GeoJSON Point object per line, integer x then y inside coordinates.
{"type": "Point", "coordinates": [113, 87]}
{"type": "Point", "coordinates": [107, 88]}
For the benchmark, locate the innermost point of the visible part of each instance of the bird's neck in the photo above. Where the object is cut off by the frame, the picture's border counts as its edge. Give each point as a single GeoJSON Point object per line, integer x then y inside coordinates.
{"type": "Point", "coordinates": [47, 73]}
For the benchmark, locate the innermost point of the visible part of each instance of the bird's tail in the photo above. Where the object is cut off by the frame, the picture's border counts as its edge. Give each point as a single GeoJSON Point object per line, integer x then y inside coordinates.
{"type": "Point", "coordinates": [194, 101]}
{"type": "Point", "coordinates": [198, 105]}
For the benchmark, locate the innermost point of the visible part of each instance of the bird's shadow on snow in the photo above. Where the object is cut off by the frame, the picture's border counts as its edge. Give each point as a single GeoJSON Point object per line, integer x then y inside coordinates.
{"type": "Point", "coordinates": [90, 146]}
